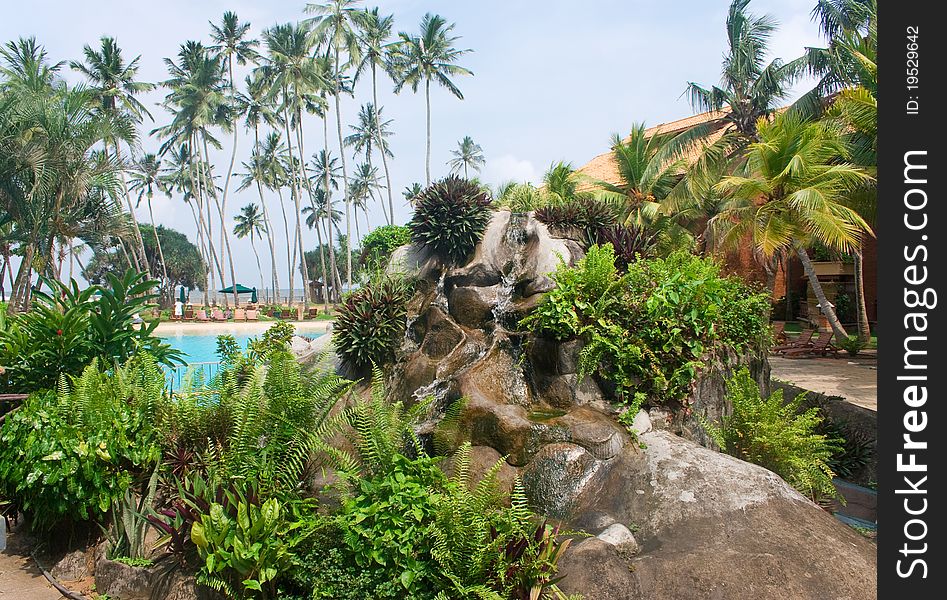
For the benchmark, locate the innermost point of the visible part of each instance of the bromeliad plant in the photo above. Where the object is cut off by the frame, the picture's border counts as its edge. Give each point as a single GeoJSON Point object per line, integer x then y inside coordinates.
{"type": "Point", "coordinates": [450, 217]}
{"type": "Point", "coordinates": [371, 321]}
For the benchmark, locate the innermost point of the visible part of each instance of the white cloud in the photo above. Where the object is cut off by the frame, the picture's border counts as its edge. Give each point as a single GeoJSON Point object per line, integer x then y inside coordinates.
{"type": "Point", "coordinates": [507, 168]}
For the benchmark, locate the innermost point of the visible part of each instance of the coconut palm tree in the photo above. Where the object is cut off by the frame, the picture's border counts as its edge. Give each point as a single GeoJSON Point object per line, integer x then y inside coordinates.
{"type": "Point", "coordinates": [428, 57]}
{"type": "Point", "coordinates": [334, 25]}
{"type": "Point", "coordinates": [364, 182]}
{"type": "Point", "coordinates": [232, 44]}
{"type": "Point", "coordinates": [249, 222]}
{"type": "Point", "coordinates": [467, 154]}
{"type": "Point", "coordinates": [115, 89]}
{"type": "Point", "coordinates": [792, 192]}
{"type": "Point", "coordinates": [411, 192]}
{"type": "Point", "coordinates": [326, 175]}
{"type": "Point", "coordinates": [145, 179]}
{"type": "Point", "coordinates": [750, 87]}
{"type": "Point", "coordinates": [370, 134]}
{"type": "Point", "coordinates": [374, 31]}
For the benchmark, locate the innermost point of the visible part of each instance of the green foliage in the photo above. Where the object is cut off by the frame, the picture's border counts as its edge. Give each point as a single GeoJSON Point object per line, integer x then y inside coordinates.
{"type": "Point", "coordinates": [67, 328]}
{"type": "Point", "coordinates": [523, 197]}
{"type": "Point", "coordinates": [585, 216]}
{"type": "Point", "coordinates": [371, 321]}
{"type": "Point", "coordinates": [450, 217]}
{"type": "Point", "coordinates": [852, 345]}
{"type": "Point", "coordinates": [275, 339]}
{"type": "Point", "coordinates": [650, 330]}
{"type": "Point", "coordinates": [776, 435]}
{"type": "Point", "coordinates": [71, 455]}
{"type": "Point", "coordinates": [378, 245]}
{"type": "Point", "coordinates": [129, 526]}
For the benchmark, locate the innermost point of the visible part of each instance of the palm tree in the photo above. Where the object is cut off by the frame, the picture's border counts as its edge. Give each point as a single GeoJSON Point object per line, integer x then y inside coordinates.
{"type": "Point", "coordinates": [249, 222]}
{"type": "Point", "coordinates": [326, 174]}
{"type": "Point", "coordinates": [467, 154]}
{"type": "Point", "coordinates": [146, 178]}
{"type": "Point", "coordinates": [273, 160]}
{"type": "Point", "coordinates": [294, 75]}
{"type": "Point", "coordinates": [231, 44]}
{"type": "Point", "coordinates": [364, 182]}
{"type": "Point", "coordinates": [257, 110]}
{"type": "Point", "coordinates": [426, 57]}
{"type": "Point", "coordinates": [368, 135]}
{"type": "Point", "coordinates": [411, 192]}
{"type": "Point", "coordinates": [373, 34]}
{"type": "Point", "coordinates": [791, 193]}
{"type": "Point", "coordinates": [750, 87]}
{"type": "Point", "coordinates": [335, 26]}
{"type": "Point", "coordinates": [115, 88]}
{"type": "Point", "coordinates": [561, 182]}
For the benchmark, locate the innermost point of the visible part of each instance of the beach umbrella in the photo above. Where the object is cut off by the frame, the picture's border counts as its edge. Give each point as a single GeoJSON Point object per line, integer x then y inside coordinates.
{"type": "Point", "coordinates": [253, 296]}
{"type": "Point", "coordinates": [241, 289]}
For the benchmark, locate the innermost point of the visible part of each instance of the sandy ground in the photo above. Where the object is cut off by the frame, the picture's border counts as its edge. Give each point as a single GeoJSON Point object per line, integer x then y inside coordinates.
{"type": "Point", "coordinates": [855, 379]}
{"type": "Point", "coordinates": [168, 328]}
{"type": "Point", "coordinates": [19, 577]}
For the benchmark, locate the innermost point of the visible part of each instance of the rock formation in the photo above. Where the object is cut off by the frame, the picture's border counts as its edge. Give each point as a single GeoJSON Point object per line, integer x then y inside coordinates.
{"type": "Point", "coordinates": [670, 518]}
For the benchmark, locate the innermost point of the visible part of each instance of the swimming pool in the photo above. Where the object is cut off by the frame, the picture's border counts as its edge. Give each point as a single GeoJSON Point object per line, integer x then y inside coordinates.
{"type": "Point", "coordinates": [201, 346]}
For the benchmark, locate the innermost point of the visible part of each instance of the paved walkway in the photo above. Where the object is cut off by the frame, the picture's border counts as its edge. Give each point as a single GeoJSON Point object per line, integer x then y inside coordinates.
{"type": "Point", "coordinates": [855, 379]}
{"type": "Point", "coordinates": [19, 577]}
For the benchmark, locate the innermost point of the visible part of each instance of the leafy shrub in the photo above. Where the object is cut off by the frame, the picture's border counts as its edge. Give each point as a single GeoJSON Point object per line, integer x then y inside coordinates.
{"type": "Point", "coordinates": [371, 321]}
{"type": "Point", "coordinates": [523, 197]}
{"type": "Point", "coordinates": [854, 452]}
{"type": "Point", "coordinates": [776, 435]}
{"type": "Point", "coordinates": [852, 345]}
{"type": "Point", "coordinates": [630, 243]}
{"type": "Point", "coordinates": [585, 216]}
{"type": "Point", "coordinates": [71, 455]}
{"type": "Point", "coordinates": [67, 328]}
{"type": "Point", "coordinates": [378, 245]}
{"type": "Point", "coordinates": [650, 330]}
{"type": "Point", "coordinates": [450, 217]}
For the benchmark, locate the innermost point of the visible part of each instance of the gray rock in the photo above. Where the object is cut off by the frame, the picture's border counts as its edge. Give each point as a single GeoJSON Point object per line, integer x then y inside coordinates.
{"type": "Point", "coordinates": [641, 423]}
{"type": "Point", "coordinates": [472, 306]}
{"type": "Point", "coordinates": [72, 566]}
{"type": "Point", "coordinates": [560, 479]}
{"type": "Point", "coordinates": [596, 569]}
{"type": "Point", "coordinates": [619, 536]}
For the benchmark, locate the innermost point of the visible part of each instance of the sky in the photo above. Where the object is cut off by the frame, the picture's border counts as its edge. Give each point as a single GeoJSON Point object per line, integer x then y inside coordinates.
{"type": "Point", "coordinates": [553, 79]}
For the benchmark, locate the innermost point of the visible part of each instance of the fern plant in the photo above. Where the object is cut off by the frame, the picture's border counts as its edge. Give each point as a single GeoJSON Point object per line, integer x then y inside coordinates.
{"type": "Point", "coordinates": [776, 435]}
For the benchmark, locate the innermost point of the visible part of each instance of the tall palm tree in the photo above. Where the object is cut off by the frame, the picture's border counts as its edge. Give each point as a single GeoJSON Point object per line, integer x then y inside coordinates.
{"type": "Point", "coordinates": [374, 31]}
{"type": "Point", "coordinates": [364, 182]}
{"type": "Point", "coordinates": [750, 87]}
{"type": "Point", "coordinates": [145, 179]}
{"type": "Point", "coordinates": [294, 75]}
{"type": "Point", "coordinates": [792, 192]}
{"type": "Point", "coordinates": [560, 181]}
{"type": "Point", "coordinates": [334, 25]}
{"type": "Point", "coordinates": [232, 44]}
{"type": "Point", "coordinates": [115, 85]}
{"type": "Point", "coordinates": [426, 57]}
{"type": "Point", "coordinates": [467, 154]}
{"type": "Point", "coordinates": [411, 192]}
{"type": "Point", "coordinates": [273, 160]}
{"type": "Point", "coordinates": [254, 105]}
{"type": "Point", "coordinates": [368, 135]}
{"type": "Point", "coordinates": [325, 171]}
{"type": "Point", "coordinates": [249, 222]}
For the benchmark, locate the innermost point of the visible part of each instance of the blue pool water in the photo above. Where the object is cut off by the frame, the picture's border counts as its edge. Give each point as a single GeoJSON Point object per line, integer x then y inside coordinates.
{"type": "Point", "coordinates": [202, 348]}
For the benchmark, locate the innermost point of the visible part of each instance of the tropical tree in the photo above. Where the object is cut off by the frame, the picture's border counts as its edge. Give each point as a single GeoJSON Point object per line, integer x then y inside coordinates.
{"type": "Point", "coordinates": [115, 87]}
{"type": "Point", "coordinates": [791, 193]}
{"type": "Point", "coordinates": [250, 223]}
{"type": "Point", "coordinates": [374, 31]}
{"type": "Point", "coordinates": [364, 182]}
{"type": "Point", "coordinates": [368, 135]}
{"type": "Point", "coordinates": [411, 192]}
{"type": "Point", "coordinates": [334, 25]}
{"type": "Point", "coordinates": [232, 44]}
{"type": "Point", "coordinates": [146, 179]}
{"type": "Point", "coordinates": [467, 154]}
{"type": "Point", "coordinates": [750, 87]}
{"type": "Point", "coordinates": [428, 57]}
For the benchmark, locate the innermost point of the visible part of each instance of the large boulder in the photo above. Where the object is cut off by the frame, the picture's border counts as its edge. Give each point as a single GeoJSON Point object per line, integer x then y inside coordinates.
{"type": "Point", "coordinates": [712, 526]}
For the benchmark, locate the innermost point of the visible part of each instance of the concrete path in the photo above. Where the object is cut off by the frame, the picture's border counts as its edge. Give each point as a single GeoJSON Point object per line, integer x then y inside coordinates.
{"type": "Point", "coordinates": [19, 577]}
{"type": "Point", "coordinates": [853, 378]}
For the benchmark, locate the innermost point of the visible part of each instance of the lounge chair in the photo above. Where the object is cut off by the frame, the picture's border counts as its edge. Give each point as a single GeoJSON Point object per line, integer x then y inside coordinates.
{"type": "Point", "coordinates": [202, 315]}
{"type": "Point", "coordinates": [218, 315]}
{"type": "Point", "coordinates": [804, 339]}
{"type": "Point", "coordinates": [313, 313]}
{"type": "Point", "coordinates": [779, 332]}
{"type": "Point", "coordinates": [252, 315]}
{"type": "Point", "coordinates": [239, 314]}
{"type": "Point", "coordinates": [188, 314]}
{"type": "Point", "coordinates": [820, 347]}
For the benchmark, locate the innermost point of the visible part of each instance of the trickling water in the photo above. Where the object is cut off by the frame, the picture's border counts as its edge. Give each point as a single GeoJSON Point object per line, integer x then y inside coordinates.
{"type": "Point", "coordinates": [515, 238]}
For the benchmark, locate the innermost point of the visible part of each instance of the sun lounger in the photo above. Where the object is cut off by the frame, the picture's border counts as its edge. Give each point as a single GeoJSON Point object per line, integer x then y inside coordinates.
{"type": "Point", "coordinates": [804, 339]}
{"type": "Point", "coordinates": [779, 332]}
{"type": "Point", "coordinates": [820, 347]}
{"type": "Point", "coordinates": [239, 314]}
{"type": "Point", "coordinates": [189, 314]}
{"type": "Point", "coordinates": [313, 313]}
{"type": "Point", "coordinates": [218, 315]}
{"type": "Point", "coordinates": [252, 315]}
{"type": "Point", "coordinates": [202, 315]}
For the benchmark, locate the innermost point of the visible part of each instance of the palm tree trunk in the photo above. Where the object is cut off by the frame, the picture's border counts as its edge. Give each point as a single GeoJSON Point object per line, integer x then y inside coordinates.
{"type": "Point", "coordinates": [315, 209]}
{"type": "Point", "coordinates": [223, 203]}
{"type": "Point", "coordinates": [827, 309]}
{"type": "Point", "coordinates": [305, 180]}
{"type": "Point", "coordinates": [864, 328]}
{"type": "Point", "coordinates": [19, 292]}
{"type": "Point", "coordinates": [345, 185]}
{"type": "Point", "coordinates": [164, 267]}
{"type": "Point", "coordinates": [224, 236]}
{"type": "Point", "coordinates": [294, 189]}
{"type": "Point", "coordinates": [143, 264]}
{"type": "Point", "coordinates": [258, 265]}
{"type": "Point", "coordinates": [290, 248]}
{"type": "Point", "coordinates": [390, 215]}
{"type": "Point", "coordinates": [336, 280]}
{"type": "Point", "coordinates": [266, 215]}
{"type": "Point", "coordinates": [427, 160]}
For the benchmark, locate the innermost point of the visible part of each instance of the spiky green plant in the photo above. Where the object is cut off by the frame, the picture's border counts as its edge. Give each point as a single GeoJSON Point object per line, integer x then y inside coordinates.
{"type": "Point", "coordinates": [371, 321]}
{"type": "Point", "coordinates": [450, 217]}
